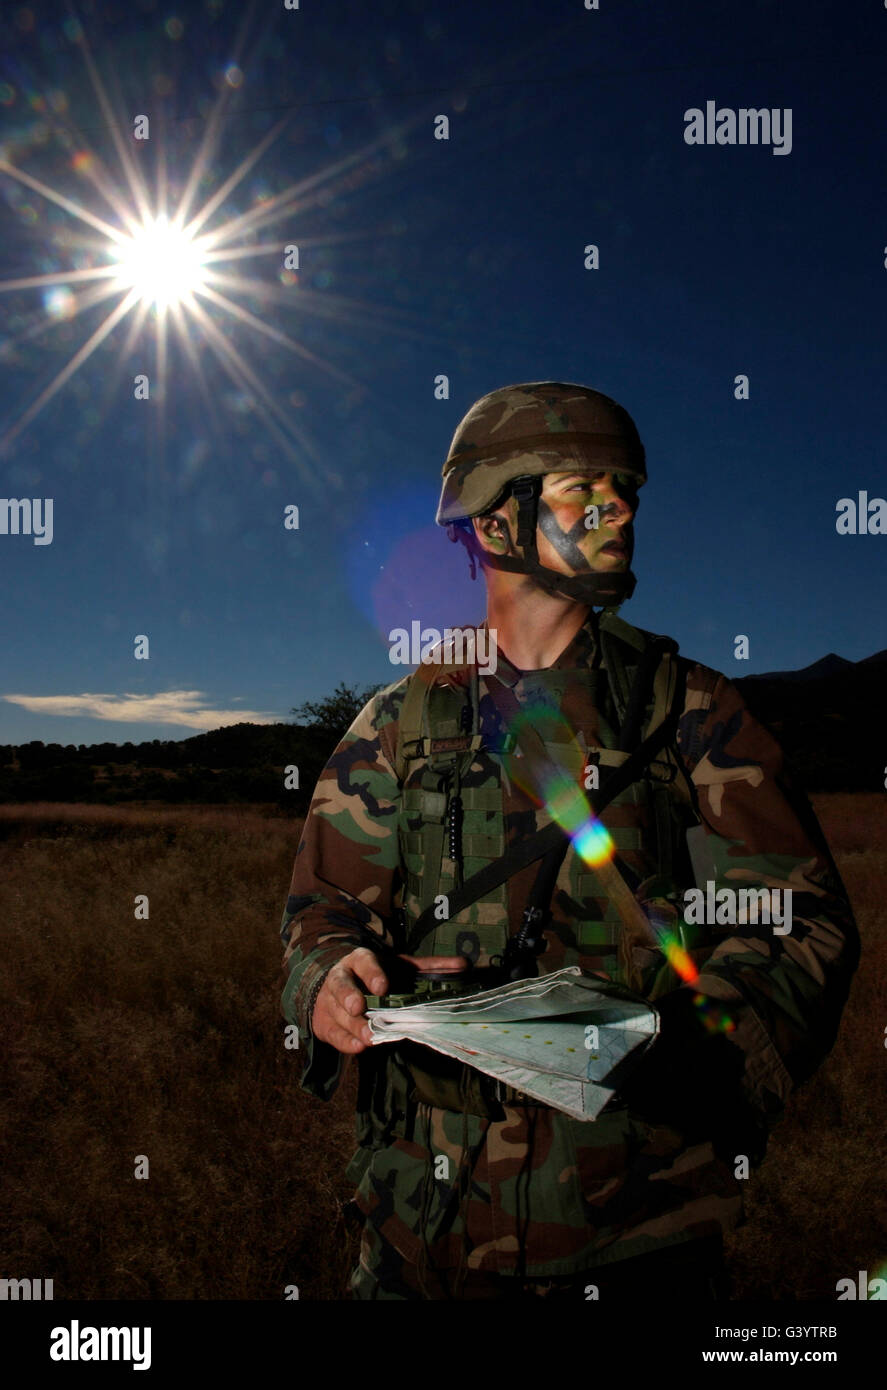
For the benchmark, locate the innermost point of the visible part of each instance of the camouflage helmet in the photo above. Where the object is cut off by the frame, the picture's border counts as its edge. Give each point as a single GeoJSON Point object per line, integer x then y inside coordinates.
{"type": "Point", "coordinates": [531, 429]}
{"type": "Point", "coordinates": [506, 443]}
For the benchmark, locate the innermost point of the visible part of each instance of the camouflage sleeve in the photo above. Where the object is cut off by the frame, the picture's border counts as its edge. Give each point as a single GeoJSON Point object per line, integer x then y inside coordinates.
{"type": "Point", "coordinates": [345, 880]}
{"type": "Point", "coordinates": [785, 992]}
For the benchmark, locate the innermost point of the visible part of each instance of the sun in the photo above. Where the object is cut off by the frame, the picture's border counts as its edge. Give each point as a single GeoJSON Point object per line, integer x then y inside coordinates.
{"type": "Point", "coordinates": [161, 263]}
{"type": "Point", "coordinates": [170, 266]}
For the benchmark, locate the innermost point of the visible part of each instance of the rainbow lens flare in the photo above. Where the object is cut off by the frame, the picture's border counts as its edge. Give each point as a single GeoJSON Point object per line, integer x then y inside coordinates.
{"type": "Point", "coordinates": [715, 1018]}
{"type": "Point", "coordinates": [569, 807]}
{"type": "Point", "coordinates": [592, 843]}
{"type": "Point", "coordinates": [677, 955]}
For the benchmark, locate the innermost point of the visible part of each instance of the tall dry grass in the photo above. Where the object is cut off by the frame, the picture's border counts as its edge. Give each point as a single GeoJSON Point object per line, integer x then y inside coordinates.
{"type": "Point", "coordinates": [164, 1038]}
{"type": "Point", "coordinates": [161, 1037]}
{"type": "Point", "coordinates": [817, 1208]}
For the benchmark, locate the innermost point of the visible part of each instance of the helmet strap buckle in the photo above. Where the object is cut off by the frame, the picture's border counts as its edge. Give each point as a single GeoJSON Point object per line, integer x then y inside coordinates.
{"type": "Point", "coordinates": [525, 490]}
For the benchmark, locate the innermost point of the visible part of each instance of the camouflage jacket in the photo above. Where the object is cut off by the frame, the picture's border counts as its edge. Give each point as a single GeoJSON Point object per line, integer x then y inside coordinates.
{"type": "Point", "coordinates": [548, 1194]}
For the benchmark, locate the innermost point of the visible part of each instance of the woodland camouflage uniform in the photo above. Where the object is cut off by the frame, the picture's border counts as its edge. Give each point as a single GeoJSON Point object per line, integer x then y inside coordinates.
{"type": "Point", "coordinates": [533, 1194]}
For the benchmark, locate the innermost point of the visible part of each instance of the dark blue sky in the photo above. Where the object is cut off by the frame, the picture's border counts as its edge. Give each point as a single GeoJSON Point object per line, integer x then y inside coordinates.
{"type": "Point", "coordinates": [421, 257]}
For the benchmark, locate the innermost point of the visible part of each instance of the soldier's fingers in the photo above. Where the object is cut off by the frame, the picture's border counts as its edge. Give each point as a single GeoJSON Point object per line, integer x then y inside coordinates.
{"type": "Point", "coordinates": [354, 1024]}
{"type": "Point", "coordinates": [330, 1020]}
{"type": "Point", "coordinates": [342, 1040]}
{"type": "Point", "coordinates": [367, 969]}
{"type": "Point", "coordinates": [345, 990]}
{"type": "Point", "coordinates": [437, 962]}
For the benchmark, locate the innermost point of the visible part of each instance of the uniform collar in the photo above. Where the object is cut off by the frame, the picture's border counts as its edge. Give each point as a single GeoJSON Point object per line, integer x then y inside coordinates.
{"type": "Point", "coordinates": [579, 654]}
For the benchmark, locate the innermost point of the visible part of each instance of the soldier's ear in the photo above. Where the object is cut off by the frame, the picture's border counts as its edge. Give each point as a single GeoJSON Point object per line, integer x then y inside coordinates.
{"type": "Point", "coordinates": [487, 530]}
{"type": "Point", "coordinates": [493, 532]}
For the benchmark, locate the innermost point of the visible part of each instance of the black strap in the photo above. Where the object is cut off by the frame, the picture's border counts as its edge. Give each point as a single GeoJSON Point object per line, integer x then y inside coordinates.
{"type": "Point", "coordinates": [641, 689]}
{"type": "Point", "coordinates": [522, 948]}
{"type": "Point", "coordinates": [527, 851]}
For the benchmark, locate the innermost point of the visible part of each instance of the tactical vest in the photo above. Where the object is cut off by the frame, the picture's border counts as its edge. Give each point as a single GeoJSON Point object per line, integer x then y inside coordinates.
{"type": "Point", "coordinates": [452, 791]}
{"type": "Point", "coordinates": [452, 821]}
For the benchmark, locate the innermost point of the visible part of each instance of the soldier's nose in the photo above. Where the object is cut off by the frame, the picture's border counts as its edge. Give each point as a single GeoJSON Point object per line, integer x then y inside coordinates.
{"type": "Point", "coordinates": [616, 511]}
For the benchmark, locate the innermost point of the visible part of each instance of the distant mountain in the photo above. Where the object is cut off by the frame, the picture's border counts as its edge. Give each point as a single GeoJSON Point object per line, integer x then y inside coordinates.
{"type": "Point", "coordinates": [826, 666]}
{"type": "Point", "coordinates": [828, 718]}
{"type": "Point", "coordinates": [879, 659]}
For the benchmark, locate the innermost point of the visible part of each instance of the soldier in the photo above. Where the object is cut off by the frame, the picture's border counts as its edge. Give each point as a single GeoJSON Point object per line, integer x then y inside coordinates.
{"type": "Point", "coordinates": [467, 1188]}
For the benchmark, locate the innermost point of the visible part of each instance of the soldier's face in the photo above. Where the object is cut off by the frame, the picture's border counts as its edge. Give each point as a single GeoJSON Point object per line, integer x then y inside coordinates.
{"type": "Point", "coordinates": [567, 539]}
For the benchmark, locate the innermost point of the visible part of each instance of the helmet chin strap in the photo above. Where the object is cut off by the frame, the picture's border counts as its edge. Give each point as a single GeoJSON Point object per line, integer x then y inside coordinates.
{"type": "Point", "coordinates": [598, 590]}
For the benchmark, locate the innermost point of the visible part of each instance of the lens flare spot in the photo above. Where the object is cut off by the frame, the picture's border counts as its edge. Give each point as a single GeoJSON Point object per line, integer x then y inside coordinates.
{"type": "Point", "coordinates": [678, 958]}
{"type": "Point", "coordinates": [593, 844]}
{"type": "Point", "coordinates": [713, 1016]}
{"type": "Point", "coordinates": [59, 302]}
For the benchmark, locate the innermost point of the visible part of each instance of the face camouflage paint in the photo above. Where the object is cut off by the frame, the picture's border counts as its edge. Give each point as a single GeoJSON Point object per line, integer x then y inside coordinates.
{"type": "Point", "coordinates": [585, 517]}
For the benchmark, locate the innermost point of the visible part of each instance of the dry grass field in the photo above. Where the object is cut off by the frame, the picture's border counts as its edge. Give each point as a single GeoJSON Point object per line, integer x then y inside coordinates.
{"type": "Point", "coordinates": [164, 1038]}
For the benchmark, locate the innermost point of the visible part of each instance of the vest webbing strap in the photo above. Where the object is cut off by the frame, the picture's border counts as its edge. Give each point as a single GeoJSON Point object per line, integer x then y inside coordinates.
{"type": "Point", "coordinates": [528, 850]}
{"type": "Point", "coordinates": [410, 719]}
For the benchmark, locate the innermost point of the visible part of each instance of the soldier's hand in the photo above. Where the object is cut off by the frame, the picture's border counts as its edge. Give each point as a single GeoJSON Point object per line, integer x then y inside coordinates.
{"type": "Point", "coordinates": [338, 1017]}
{"type": "Point", "coordinates": [690, 1078]}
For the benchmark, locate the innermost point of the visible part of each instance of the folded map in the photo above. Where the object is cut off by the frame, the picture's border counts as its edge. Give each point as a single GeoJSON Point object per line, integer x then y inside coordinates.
{"type": "Point", "coordinates": [559, 1038]}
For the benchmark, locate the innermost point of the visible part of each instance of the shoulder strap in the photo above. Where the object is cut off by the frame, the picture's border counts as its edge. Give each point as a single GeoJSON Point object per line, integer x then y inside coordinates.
{"type": "Point", "coordinates": [409, 724]}
{"type": "Point", "coordinates": [630, 680]}
{"type": "Point", "coordinates": [614, 635]}
{"type": "Point", "coordinates": [413, 744]}
{"type": "Point", "coordinates": [696, 836]}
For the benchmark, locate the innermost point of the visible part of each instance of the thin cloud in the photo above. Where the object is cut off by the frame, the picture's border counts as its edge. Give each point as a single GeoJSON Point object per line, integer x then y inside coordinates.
{"type": "Point", "coordinates": [184, 708]}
